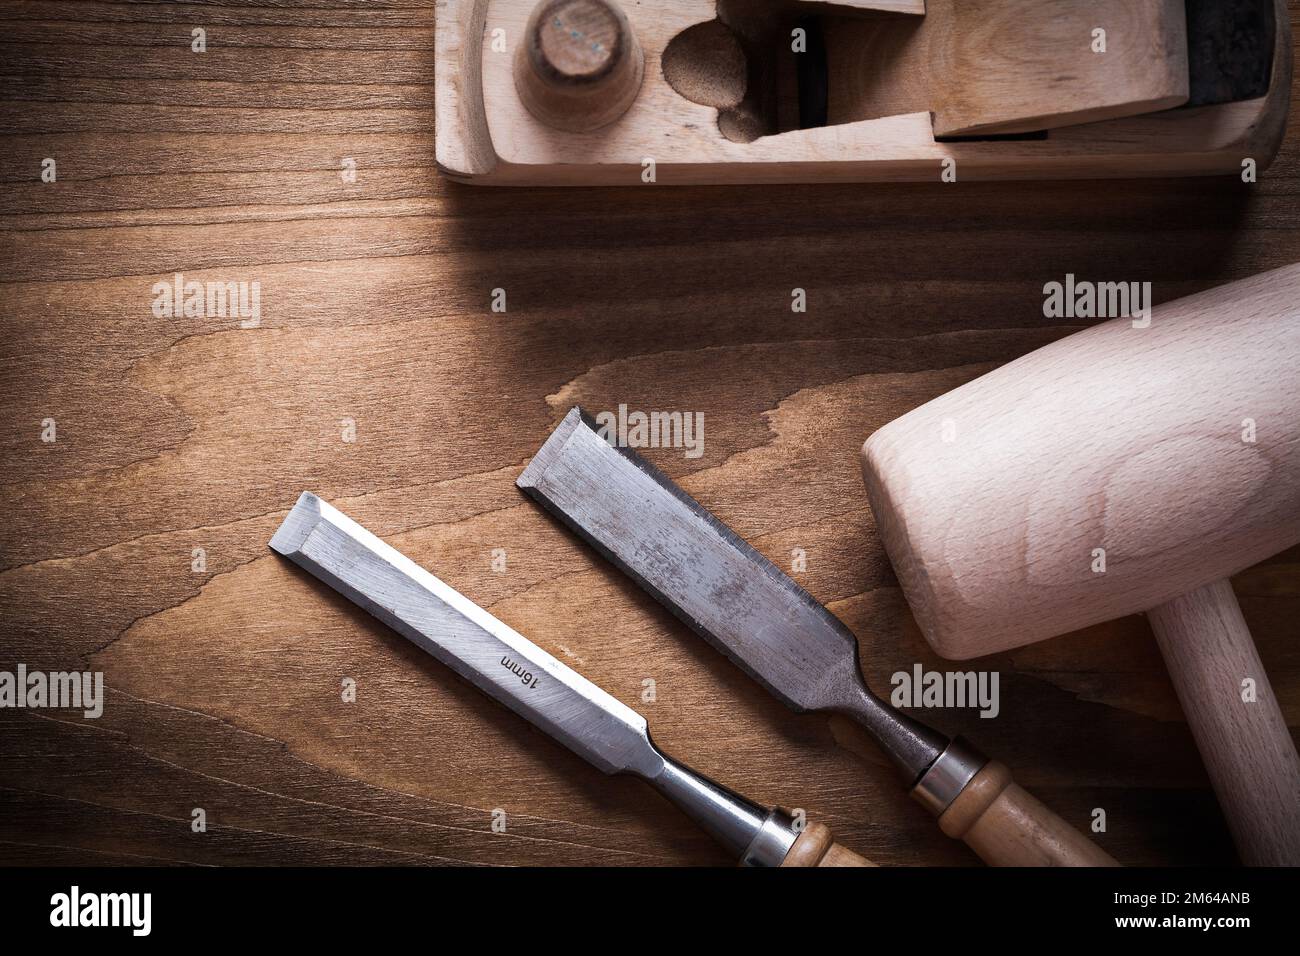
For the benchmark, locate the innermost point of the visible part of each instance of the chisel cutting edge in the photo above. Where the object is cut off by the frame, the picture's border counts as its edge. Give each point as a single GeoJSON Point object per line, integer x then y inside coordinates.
{"type": "Point", "coordinates": [516, 672]}
{"type": "Point", "coordinates": [781, 636]}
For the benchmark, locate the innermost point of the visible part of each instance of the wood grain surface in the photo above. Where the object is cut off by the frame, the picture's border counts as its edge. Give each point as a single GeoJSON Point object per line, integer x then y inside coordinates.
{"type": "Point", "coordinates": [223, 685]}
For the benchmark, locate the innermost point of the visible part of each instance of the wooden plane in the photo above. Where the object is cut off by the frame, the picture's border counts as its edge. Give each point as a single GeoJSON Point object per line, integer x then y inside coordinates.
{"type": "Point", "coordinates": [590, 92]}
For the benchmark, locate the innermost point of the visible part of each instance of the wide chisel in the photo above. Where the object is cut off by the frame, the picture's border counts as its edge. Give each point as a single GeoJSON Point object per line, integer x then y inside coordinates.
{"type": "Point", "coordinates": [781, 636]}
{"type": "Point", "coordinates": [511, 669]}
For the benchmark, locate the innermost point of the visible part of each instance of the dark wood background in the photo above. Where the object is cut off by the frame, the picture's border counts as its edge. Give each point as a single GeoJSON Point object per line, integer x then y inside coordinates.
{"type": "Point", "coordinates": [183, 433]}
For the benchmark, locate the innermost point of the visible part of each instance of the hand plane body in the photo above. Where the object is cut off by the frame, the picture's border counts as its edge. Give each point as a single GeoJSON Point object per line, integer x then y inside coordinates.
{"type": "Point", "coordinates": [598, 92]}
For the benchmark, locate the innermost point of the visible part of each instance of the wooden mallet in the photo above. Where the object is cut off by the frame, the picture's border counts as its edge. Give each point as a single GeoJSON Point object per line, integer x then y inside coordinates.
{"type": "Point", "coordinates": [1131, 467]}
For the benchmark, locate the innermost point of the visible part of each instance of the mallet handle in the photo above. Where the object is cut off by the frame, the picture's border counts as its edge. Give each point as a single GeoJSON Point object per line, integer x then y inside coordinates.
{"type": "Point", "coordinates": [1245, 744]}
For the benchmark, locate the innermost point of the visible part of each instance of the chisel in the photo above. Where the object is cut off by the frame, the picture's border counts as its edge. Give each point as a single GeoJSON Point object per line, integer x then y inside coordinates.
{"type": "Point", "coordinates": [511, 669]}
{"type": "Point", "coordinates": [781, 636]}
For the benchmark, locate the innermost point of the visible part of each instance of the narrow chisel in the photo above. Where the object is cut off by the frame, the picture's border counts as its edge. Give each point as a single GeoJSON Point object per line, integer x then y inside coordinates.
{"type": "Point", "coordinates": [511, 669]}
{"type": "Point", "coordinates": [781, 636]}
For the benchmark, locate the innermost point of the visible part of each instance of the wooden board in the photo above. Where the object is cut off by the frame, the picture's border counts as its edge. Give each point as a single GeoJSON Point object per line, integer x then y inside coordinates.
{"type": "Point", "coordinates": [183, 433]}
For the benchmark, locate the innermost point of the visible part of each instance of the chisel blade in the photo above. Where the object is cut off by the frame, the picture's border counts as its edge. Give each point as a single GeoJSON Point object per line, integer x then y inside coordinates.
{"type": "Point", "coordinates": [695, 565]}
{"type": "Point", "coordinates": [492, 656]}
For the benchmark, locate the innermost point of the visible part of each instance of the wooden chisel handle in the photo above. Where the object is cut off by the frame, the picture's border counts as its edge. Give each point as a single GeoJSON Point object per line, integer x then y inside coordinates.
{"type": "Point", "coordinates": [1006, 826]}
{"type": "Point", "coordinates": [817, 847]}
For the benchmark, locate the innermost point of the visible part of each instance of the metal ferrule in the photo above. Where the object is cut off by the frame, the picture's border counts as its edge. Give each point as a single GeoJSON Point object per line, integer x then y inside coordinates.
{"type": "Point", "coordinates": [948, 776]}
{"type": "Point", "coordinates": [773, 841]}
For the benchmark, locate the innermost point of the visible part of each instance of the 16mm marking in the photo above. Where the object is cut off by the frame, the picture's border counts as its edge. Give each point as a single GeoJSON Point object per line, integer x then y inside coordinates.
{"type": "Point", "coordinates": [519, 671]}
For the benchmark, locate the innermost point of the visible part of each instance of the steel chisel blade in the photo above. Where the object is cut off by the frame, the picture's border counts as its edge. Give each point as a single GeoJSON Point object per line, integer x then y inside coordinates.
{"type": "Point", "coordinates": [708, 576]}
{"type": "Point", "coordinates": [498, 660]}
{"type": "Point", "coordinates": [697, 567]}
